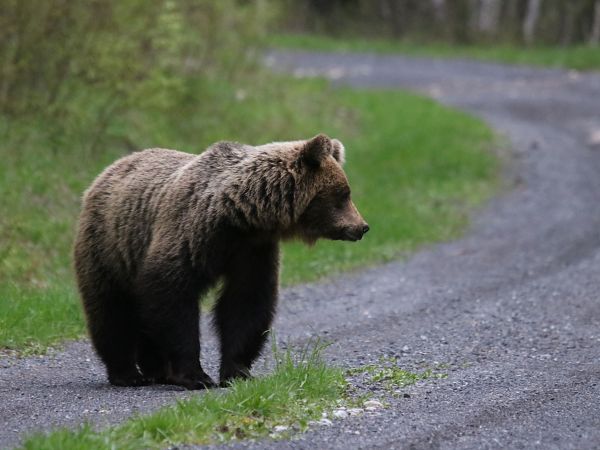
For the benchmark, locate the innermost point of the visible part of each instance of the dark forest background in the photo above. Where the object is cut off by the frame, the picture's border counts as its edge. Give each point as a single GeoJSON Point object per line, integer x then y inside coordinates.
{"type": "Point", "coordinates": [548, 22]}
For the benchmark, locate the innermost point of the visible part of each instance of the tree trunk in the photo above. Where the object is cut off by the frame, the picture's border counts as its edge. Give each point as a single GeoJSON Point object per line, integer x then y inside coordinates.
{"type": "Point", "coordinates": [439, 10]}
{"type": "Point", "coordinates": [568, 23]}
{"type": "Point", "coordinates": [460, 18]}
{"type": "Point", "coordinates": [397, 18]}
{"type": "Point", "coordinates": [489, 14]}
{"type": "Point", "coordinates": [595, 35]}
{"type": "Point", "coordinates": [472, 10]}
{"type": "Point", "coordinates": [531, 18]}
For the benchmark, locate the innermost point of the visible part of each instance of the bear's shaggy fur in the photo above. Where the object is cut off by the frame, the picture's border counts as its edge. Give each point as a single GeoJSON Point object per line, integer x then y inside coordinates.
{"type": "Point", "coordinates": [160, 227]}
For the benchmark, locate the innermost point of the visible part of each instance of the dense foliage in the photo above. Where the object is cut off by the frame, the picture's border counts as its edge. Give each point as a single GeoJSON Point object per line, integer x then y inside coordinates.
{"type": "Point", "coordinates": [57, 55]}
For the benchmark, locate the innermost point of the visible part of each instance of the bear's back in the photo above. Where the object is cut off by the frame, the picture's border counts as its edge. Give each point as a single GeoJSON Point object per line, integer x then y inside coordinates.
{"type": "Point", "coordinates": [120, 207]}
{"type": "Point", "coordinates": [150, 193]}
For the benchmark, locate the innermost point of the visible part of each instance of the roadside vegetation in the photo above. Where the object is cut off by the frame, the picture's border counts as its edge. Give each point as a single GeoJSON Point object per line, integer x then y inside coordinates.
{"type": "Point", "coordinates": [388, 377]}
{"type": "Point", "coordinates": [70, 106]}
{"type": "Point", "coordinates": [579, 57]}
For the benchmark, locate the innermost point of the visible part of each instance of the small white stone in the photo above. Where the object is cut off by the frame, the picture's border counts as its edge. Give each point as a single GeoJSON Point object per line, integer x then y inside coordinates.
{"type": "Point", "coordinates": [370, 408]}
{"type": "Point", "coordinates": [336, 73]}
{"type": "Point", "coordinates": [280, 428]}
{"type": "Point", "coordinates": [355, 411]}
{"type": "Point", "coordinates": [594, 138]}
{"type": "Point", "coordinates": [340, 413]}
{"type": "Point", "coordinates": [373, 404]}
{"type": "Point", "coordinates": [325, 422]}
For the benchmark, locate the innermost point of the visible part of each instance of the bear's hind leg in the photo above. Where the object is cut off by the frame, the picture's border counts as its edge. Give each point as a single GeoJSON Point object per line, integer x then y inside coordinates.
{"type": "Point", "coordinates": [245, 310]}
{"type": "Point", "coordinates": [113, 330]}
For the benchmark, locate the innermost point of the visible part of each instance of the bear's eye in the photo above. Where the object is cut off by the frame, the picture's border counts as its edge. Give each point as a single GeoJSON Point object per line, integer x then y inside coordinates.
{"type": "Point", "coordinates": [342, 198]}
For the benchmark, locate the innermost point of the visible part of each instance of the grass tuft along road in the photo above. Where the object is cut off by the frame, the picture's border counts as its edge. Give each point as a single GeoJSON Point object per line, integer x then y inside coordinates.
{"type": "Point", "coordinates": [298, 391]}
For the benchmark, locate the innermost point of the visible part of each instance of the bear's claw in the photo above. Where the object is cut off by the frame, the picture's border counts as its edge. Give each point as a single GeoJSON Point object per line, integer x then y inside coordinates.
{"type": "Point", "coordinates": [130, 381]}
{"type": "Point", "coordinates": [193, 383]}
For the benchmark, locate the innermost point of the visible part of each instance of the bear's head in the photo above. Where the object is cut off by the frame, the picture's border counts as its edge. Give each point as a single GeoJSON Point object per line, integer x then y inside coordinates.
{"type": "Point", "coordinates": [327, 211]}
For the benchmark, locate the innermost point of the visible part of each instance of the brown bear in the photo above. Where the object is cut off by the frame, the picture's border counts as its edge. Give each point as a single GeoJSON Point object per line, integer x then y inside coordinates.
{"type": "Point", "coordinates": [160, 227]}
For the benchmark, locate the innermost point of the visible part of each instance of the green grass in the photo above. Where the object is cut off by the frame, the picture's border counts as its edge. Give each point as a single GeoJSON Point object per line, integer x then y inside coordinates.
{"type": "Point", "coordinates": [299, 390]}
{"type": "Point", "coordinates": [388, 375]}
{"type": "Point", "coordinates": [573, 57]}
{"type": "Point", "coordinates": [415, 169]}
{"type": "Point", "coordinates": [32, 319]}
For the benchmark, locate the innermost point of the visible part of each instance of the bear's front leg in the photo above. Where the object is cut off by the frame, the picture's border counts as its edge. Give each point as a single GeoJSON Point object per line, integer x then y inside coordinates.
{"type": "Point", "coordinates": [245, 310]}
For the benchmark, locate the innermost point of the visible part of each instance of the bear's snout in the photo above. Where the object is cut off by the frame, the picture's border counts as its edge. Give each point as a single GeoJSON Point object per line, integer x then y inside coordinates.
{"type": "Point", "coordinates": [362, 230]}
{"type": "Point", "coordinates": [355, 233]}
{"type": "Point", "coordinates": [355, 227]}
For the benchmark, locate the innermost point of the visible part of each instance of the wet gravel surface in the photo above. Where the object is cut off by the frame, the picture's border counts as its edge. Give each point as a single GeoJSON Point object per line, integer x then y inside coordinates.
{"type": "Point", "coordinates": [512, 310]}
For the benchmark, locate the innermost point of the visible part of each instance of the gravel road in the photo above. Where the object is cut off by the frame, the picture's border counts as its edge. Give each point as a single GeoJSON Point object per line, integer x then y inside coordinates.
{"type": "Point", "coordinates": [512, 309]}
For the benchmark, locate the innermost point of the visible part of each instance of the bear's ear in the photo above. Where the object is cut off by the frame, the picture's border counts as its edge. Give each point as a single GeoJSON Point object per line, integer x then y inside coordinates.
{"type": "Point", "coordinates": [338, 151]}
{"type": "Point", "coordinates": [316, 150]}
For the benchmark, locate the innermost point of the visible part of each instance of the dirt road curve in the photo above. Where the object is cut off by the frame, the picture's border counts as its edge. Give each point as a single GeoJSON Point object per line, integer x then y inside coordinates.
{"type": "Point", "coordinates": [513, 308]}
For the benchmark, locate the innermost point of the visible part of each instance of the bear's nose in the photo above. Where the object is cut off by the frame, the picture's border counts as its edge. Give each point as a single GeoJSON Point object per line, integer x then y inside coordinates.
{"type": "Point", "coordinates": [365, 228]}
